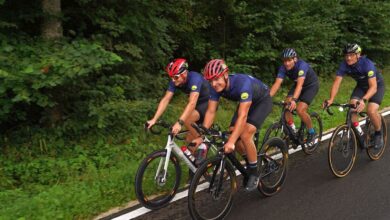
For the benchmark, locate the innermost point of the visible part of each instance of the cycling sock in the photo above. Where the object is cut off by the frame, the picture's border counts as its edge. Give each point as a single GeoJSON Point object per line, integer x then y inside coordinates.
{"type": "Point", "coordinates": [311, 131]}
{"type": "Point", "coordinates": [377, 133]}
{"type": "Point", "coordinates": [252, 168]}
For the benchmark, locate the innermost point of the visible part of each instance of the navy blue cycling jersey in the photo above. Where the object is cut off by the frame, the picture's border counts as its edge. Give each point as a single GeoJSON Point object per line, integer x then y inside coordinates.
{"type": "Point", "coordinates": [195, 83]}
{"type": "Point", "coordinates": [300, 69]}
{"type": "Point", "coordinates": [361, 72]}
{"type": "Point", "coordinates": [242, 88]}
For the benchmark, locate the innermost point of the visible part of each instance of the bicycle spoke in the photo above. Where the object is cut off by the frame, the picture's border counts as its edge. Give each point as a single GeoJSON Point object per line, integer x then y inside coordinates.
{"type": "Point", "coordinates": [342, 151]}
{"type": "Point", "coordinates": [215, 201]}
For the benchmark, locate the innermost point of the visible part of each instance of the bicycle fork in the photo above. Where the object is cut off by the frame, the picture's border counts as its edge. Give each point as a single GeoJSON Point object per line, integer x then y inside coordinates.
{"type": "Point", "coordinates": [161, 177]}
{"type": "Point", "coordinates": [217, 179]}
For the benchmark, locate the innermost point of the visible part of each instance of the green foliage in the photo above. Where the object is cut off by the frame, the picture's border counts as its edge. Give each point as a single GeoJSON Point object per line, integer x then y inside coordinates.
{"type": "Point", "coordinates": [367, 23]}
{"type": "Point", "coordinates": [36, 75]}
{"type": "Point", "coordinates": [72, 110]}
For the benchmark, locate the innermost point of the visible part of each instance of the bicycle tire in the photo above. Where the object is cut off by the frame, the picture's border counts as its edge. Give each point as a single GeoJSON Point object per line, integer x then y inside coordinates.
{"type": "Point", "coordinates": [307, 149]}
{"type": "Point", "coordinates": [376, 154]}
{"type": "Point", "coordinates": [343, 149]}
{"type": "Point", "coordinates": [199, 191]}
{"type": "Point", "coordinates": [157, 200]}
{"type": "Point", "coordinates": [273, 149]}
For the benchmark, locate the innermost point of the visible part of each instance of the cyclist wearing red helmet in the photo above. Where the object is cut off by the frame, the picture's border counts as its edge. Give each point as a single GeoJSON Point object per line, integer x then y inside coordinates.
{"type": "Point", "coordinates": [305, 88]}
{"type": "Point", "coordinates": [254, 105]}
{"type": "Point", "coordinates": [191, 83]}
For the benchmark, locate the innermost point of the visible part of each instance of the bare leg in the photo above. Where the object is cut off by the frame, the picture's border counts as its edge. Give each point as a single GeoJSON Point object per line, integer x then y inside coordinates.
{"type": "Point", "coordinates": [247, 141]}
{"type": "Point", "coordinates": [302, 113]}
{"type": "Point", "coordinates": [192, 134]}
{"type": "Point", "coordinates": [372, 111]}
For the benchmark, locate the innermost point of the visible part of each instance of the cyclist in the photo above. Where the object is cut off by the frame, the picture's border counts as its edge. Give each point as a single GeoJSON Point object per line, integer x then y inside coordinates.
{"type": "Point", "coordinates": [305, 88]}
{"type": "Point", "coordinates": [370, 87]}
{"type": "Point", "coordinates": [198, 89]}
{"type": "Point", "coordinates": [254, 106]}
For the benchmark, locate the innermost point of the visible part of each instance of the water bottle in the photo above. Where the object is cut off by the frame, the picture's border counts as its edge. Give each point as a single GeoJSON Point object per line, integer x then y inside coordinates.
{"type": "Point", "coordinates": [358, 128]}
{"type": "Point", "coordinates": [292, 126]}
{"type": "Point", "coordinates": [201, 153]}
{"type": "Point", "coordinates": [188, 153]}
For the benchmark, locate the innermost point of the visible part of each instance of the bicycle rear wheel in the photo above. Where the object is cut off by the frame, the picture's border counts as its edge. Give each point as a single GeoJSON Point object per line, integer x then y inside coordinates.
{"type": "Point", "coordinates": [213, 198]}
{"type": "Point", "coordinates": [342, 151]}
{"type": "Point", "coordinates": [273, 159]}
{"type": "Point", "coordinates": [373, 153]}
{"type": "Point", "coordinates": [309, 148]}
{"type": "Point", "coordinates": [151, 190]}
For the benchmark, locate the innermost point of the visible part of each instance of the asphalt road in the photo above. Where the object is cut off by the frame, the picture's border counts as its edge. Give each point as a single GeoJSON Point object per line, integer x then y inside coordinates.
{"type": "Point", "coordinates": [312, 192]}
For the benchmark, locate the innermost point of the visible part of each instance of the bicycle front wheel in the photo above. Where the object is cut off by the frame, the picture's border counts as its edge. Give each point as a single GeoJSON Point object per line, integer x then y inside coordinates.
{"type": "Point", "coordinates": [309, 148]}
{"type": "Point", "coordinates": [273, 159]}
{"type": "Point", "coordinates": [274, 130]}
{"type": "Point", "coordinates": [212, 198]}
{"type": "Point", "coordinates": [342, 151]}
{"type": "Point", "coordinates": [155, 186]}
{"type": "Point", "coordinates": [373, 153]}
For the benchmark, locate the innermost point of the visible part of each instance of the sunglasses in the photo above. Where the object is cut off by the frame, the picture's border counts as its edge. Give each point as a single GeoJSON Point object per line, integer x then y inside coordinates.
{"type": "Point", "coordinates": [176, 77]}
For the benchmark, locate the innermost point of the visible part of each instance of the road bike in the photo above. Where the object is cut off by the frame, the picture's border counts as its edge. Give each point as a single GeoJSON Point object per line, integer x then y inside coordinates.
{"type": "Point", "coordinates": [283, 130]}
{"type": "Point", "coordinates": [212, 197]}
{"type": "Point", "coordinates": [158, 176]}
{"type": "Point", "coordinates": [345, 140]}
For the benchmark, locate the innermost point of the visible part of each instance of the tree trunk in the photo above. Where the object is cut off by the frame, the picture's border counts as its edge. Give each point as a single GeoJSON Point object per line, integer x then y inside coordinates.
{"type": "Point", "coordinates": [51, 25]}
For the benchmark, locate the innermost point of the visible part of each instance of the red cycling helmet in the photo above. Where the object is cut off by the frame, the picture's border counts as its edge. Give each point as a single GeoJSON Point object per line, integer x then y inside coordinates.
{"type": "Point", "coordinates": [214, 69]}
{"type": "Point", "coordinates": [176, 67]}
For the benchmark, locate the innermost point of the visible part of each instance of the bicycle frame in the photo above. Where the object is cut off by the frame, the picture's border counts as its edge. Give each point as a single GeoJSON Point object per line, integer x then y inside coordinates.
{"type": "Point", "coordinates": [287, 129]}
{"type": "Point", "coordinates": [348, 122]}
{"type": "Point", "coordinates": [170, 147]}
{"type": "Point", "coordinates": [236, 164]}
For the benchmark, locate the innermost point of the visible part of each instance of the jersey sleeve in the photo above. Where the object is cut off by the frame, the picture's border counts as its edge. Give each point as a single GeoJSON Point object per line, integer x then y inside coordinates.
{"type": "Point", "coordinates": [195, 84]}
{"type": "Point", "coordinates": [214, 95]}
{"type": "Point", "coordinates": [171, 86]}
{"type": "Point", "coordinates": [246, 91]}
{"type": "Point", "coordinates": [303, 68]}
{"type": "Point", "coordinates": [370, 69]}
{"type": "Point", "coordinates": [342, 69]}
{"type": "Point", "coordinates": [281, 72]}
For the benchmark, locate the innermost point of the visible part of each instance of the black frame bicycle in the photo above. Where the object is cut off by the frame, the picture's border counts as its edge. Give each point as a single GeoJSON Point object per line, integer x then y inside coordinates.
{"type": "Point", "coordinates": [345, 139]}
{"type": "Point", "coordinates": [212, 198]}
{"type": "Point", "coordinates": [283, 130]}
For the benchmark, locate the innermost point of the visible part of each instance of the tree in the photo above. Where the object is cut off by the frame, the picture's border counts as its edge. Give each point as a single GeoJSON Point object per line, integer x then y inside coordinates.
{"type": "Point", "coordinates": [51, 27]}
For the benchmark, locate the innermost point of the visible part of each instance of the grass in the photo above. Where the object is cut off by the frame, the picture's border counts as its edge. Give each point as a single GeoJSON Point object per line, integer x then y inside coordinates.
{"type": "Point", "coordinates": [95, 182]}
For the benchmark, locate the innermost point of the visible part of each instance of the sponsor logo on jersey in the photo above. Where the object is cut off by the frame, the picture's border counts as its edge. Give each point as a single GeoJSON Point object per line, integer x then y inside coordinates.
{"type": "Point", "coordinates": [300, 73]}
{"type": "Point", "coordinates": [194, 87]}
{"type": "Point", "coordinates": [244, 95]}
{"type": "Point", "coordinates": [370, 73]}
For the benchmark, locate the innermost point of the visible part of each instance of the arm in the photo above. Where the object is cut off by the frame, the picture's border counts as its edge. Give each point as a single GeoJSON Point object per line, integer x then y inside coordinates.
{"type": "Point", "coordinates": [210, 113]}
{"type": "Point", "coordinates": [187, 111]}
{"type": "Point", "coordinates": [190, 106]}
{"type": "Point", "coordinates": [208, 118]}
{"type": "Point", "coordinates": [372, 88]}
{"type": "Point", "coordinates": [275, 87]}
{"type": "Point", "coordinates": [297, 93]}
{"type": "Point", "coordinates": [298, 87]}
{"type": "Point", "coordinates": [161, 108]}
{"type": "Point", "coordinates": [335, 89]}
